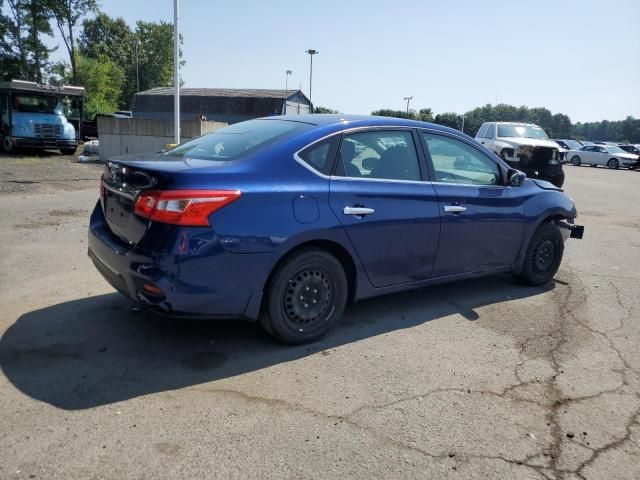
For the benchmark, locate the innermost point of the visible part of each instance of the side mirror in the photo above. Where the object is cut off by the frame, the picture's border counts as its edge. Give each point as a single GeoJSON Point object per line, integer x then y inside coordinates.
{"type": "Point", "coordinates": [516, 178]}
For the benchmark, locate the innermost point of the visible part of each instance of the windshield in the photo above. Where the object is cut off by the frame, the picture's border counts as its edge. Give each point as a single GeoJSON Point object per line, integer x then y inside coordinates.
{"type": "Point", "coordinates": [36, 104]}
{"type": "Point", "coordinates": [572, 144]}
{"type": "Point", "coordinates": [523, 131]}
{"type": "Point", "coordinates": [234, 141]}
{"type": "Point", "coordinates": [614, 150]}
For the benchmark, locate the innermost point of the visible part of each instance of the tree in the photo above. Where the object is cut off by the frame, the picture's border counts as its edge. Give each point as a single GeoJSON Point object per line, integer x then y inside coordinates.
{"type": "Point", "coordinates": [37, 20]}
{"type": "Point", "coordinates": [320, 109]}
{"type": "Point", "coordinates": [102, 78]}
{"type": "Point", "coordinates": [155, 54]}
{"type": "Point", "coordinates": [67, 13]}
{"type": "Point", "coordinates": [449, 119]}
{"type": "Point", "coordinates": [111, 38]}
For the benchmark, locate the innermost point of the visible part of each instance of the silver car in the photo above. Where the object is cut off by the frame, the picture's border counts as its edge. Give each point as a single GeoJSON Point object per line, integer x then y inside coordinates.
{"type": "Point", "coordinates": [609, 155]}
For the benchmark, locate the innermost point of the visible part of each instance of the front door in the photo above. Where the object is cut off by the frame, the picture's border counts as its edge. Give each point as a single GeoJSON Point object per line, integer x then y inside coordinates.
{"type": "Point", "coordinates": [390, 215]}
{"type": "Point", "coordinates": [482, 218]}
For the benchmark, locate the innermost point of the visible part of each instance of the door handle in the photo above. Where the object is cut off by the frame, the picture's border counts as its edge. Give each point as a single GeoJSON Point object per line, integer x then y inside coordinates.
{"type": "Point", "coordinates": [357, 211]}
{"type": "Point", "coordinates": [455, 208]}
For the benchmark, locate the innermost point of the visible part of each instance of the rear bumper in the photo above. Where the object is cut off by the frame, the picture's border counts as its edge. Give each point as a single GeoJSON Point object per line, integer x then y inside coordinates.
{"type": "Point", "coordinates": [30, 142]}
{"type": "Point", "coordinates": [213, 284]}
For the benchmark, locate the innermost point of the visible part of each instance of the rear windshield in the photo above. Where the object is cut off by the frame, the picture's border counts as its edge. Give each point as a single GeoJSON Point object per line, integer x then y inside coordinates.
{"type": "Point", "coordinates": [572, 144]}
{"type": "Point", "coordinates": [522, 131]}
{"type": "Point", "coordinates": [237, 140]}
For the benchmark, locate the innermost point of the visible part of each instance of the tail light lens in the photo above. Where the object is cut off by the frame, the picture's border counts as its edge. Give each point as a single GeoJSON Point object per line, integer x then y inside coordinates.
{"type": "Point", "coordinates": [183, 207]}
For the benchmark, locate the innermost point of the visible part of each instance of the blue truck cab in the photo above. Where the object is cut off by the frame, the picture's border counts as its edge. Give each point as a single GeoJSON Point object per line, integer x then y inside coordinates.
{"type": "Point", "coordinates": [38, 116]}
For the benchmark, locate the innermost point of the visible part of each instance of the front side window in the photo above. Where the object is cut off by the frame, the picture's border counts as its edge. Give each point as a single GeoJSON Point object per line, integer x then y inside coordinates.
{"type": "Point", "coordinates": [378, 154]}
{"type": "Point", "coordinates": [455, 161]}
{"type": "Point", "coordinates": [483, 130]}
{"type": "Point", "coordinates": [489, 133]}
{"type": "Point", "coordinates": [238, 140]}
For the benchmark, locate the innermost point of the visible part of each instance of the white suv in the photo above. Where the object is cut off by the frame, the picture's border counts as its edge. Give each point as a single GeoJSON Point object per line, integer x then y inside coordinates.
{"type": "Point", "coordinates": [524, 146]}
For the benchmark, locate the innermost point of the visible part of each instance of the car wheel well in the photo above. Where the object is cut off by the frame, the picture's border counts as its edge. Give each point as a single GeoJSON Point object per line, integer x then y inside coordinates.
{"type": "Point", "coordinates": [335, 249]}
{"type": "Point", "coordinates": [554, 218]}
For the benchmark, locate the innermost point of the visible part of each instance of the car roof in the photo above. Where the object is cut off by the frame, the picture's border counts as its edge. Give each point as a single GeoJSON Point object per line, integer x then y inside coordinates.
{"type": "Point", "coordinates": [516, 123]}
{"type": "Point", "coordinates": [351, 121]}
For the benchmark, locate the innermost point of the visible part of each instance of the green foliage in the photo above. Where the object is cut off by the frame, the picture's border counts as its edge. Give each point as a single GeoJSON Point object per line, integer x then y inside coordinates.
{"type": "Point", "coordinates": [556, 125]}
{"type": "Point", "coordinates": [321, 109]}
{"type": "Point", "coordinates": [155, 54]}
{"type": "Point", "coordinates": [102, 79]}
{"type": "Point", "coordinates": [424, 114]}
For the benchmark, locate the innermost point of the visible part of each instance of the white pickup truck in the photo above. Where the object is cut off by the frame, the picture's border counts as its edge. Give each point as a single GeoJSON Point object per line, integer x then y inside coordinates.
{"type": "Point", "coordinates": [524, 146]}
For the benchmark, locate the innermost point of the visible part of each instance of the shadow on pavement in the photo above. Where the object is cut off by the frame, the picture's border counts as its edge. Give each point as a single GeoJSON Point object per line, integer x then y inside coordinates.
{"type": "Point", "coordinates": [95, 351]}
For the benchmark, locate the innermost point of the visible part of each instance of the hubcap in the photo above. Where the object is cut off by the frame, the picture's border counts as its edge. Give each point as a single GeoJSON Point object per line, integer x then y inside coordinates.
{"type": "Point", "coordinates": [544, 256]}
{"type": "Point", "coordinates": [308, 297]}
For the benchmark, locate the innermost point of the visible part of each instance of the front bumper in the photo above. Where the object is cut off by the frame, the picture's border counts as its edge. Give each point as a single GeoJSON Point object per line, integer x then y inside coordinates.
{"type": "Point", "coordinates": [214, 284]}
{"type": "Point", "coordinates": [41, 142]}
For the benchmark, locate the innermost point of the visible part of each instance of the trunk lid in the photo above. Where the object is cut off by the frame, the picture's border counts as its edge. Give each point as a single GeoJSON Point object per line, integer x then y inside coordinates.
{"type": "Point", "coordinates": [123, 180]}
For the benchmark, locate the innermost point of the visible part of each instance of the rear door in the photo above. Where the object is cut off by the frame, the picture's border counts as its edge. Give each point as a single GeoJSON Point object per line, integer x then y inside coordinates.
{"type": "Point", "coordinates": [482, 219]}
{"type": "Point", "coordinates": [388, 212]}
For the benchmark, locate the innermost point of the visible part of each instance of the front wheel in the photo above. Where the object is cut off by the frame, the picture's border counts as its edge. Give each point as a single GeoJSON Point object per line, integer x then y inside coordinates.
{"type": "Point", "coordinates": [613, 163]}
{"type": "Point", "coordinates": [575, 161]}
{"type": "Point", "coordinates": [558, 180]}
{"type": "Point", "coordinates": [305, 297]}
{"type": "Point", "coordinates": [544, 255]}
{"type": "Point", "coordinates": [7, 144]}
{"type": "Point", "coordinates": [68, 151]}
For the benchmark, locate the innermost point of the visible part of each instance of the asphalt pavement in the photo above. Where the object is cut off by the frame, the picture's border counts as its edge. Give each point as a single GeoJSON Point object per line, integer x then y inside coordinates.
{"type": "Point", "coordinates": [478, 379]}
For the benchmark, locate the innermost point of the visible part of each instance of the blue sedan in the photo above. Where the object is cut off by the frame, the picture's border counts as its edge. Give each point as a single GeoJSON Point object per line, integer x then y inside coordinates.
{"type": "Point", "coordinates": [286, 219]}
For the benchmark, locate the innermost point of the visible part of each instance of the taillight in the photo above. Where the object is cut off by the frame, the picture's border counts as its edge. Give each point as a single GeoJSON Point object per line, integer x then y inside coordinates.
{"type": "Point", "coordinates": [183, 207]}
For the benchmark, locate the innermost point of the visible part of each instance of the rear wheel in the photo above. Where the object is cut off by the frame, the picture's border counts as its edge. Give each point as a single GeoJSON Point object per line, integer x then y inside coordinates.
{"type": "Point", "coordinates": [613, 163]}
{"type": "Point", "coordinates": [575, 161]}
{"type": "Point", "coordinates": [543, 256]}
{"type": "Point", "coordinates": [305, 297]}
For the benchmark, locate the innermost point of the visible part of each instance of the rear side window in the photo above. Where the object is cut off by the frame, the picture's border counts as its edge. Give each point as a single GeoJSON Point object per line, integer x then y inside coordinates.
{"type": "Point", "coordinates": [378, 154]}
{"type": "Point", "coordinates": [238, 140]}
{"type": "Point", "coordinates": [320, 155]}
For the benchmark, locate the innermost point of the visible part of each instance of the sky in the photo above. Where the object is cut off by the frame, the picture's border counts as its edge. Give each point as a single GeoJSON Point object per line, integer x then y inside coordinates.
{"type": "Point", "coordinates": [579, 57]}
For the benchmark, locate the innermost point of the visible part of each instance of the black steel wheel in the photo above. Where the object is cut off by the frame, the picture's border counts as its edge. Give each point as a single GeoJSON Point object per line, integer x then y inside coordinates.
{"type": "Point", "coordinates": [544, 255]}
{"type": "Point", "coordinates": [305, 297]}
{"type": "Point", "coordinates": [7, 144]}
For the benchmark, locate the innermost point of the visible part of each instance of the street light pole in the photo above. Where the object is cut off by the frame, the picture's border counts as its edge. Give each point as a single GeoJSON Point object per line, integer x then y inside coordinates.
{"type": "Point", "coordinates": [408, 99]}
{"type": "Point", "coordinates": [462, 129]}
{"type": "Point", "coordinates": [311, 53]}
{"type": "Point", "coordinates": [286, 82]}
{"type": "Point", "coordinates": [137, 66]}
{"type": "Point", "coordinates": [176, 73]}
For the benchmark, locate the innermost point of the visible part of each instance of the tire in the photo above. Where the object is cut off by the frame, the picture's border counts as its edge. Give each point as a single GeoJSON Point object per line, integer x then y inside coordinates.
{"type": "Point", "coordinates": [305, 297]}
{"type": "Point", "coordinates": [575, 161]}
{"type": "Point", "coordinates": [613, 164]}
{"type": "Point", "coordinates": [6, 144]}
{"type": "Point", "coordinates": [68, 151]}
{"type": "Point", "coordinates": [543, 257]}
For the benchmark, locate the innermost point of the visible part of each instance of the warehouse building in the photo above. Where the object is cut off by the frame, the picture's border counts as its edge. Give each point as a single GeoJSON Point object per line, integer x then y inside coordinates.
{"type": "Point", "coordinates": [219, 104]}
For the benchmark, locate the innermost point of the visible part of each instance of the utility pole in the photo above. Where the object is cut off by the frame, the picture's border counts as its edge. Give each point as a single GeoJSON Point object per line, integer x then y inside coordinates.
{"type": "Point", "coordinates": [311, 53]}
{"type": "Point", "coordinates": [408, 99]}
{"type": "Point", "coordinates": [176, 73]}
{"type": "Point", "coordinates": [137, 66]}
{"type": "Point", "coordinates": [463, 117]}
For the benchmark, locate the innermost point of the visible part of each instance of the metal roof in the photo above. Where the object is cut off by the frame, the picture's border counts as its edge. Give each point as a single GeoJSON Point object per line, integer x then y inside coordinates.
{"type": "Point", "coordinates": [24, 85]}
{"type": "Point", "coordinates": [223, 92]}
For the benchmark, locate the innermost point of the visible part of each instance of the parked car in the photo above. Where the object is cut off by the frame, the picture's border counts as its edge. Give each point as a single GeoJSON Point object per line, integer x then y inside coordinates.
{"type": "Point", "coordinates": [524, 146]}
{"type": "Point", "coordinates": [281, 220]}
{"type": "Point", "coordinates": [568, 144]}
{"type": "Point", "coordinates": [635, 149]}
{"type": "Point", "coordinates": [609, 155]}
